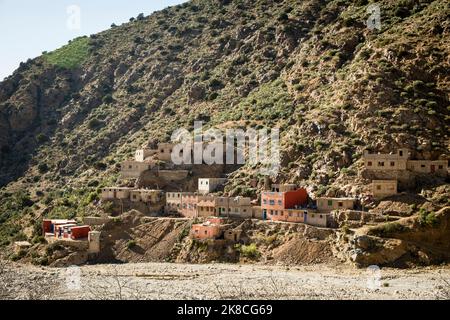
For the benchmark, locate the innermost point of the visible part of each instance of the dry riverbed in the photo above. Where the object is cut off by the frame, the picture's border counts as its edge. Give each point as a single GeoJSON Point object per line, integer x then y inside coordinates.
{"type": "Point", "coordinates": [223, 281]}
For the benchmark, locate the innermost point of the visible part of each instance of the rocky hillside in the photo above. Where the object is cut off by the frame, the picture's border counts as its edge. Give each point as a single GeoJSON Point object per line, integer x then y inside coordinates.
{"type": "Point", "coordinates": [311, 67]}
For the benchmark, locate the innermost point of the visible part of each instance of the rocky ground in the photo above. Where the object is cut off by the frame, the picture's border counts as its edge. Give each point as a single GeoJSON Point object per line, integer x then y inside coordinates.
{"type": "Point", "coordinates": [223, 281]}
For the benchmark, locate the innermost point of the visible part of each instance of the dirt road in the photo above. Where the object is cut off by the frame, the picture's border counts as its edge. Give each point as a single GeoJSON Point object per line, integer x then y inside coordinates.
{"type": "Point", "coordinates": [215, 281]}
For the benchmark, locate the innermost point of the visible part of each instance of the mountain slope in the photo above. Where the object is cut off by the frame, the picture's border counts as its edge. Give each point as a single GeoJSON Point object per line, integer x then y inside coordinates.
{"type": "Point", "coordinates": [312, 68]}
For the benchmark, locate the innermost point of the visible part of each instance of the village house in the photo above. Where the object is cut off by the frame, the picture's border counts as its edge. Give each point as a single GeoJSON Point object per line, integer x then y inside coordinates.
{"type": "Point", "coordinates": [377, 161]}
{"type": "Point", "coordinates": [384, 188]}
{"type": "Point", "coordinates": [147, 196]}
{"type": "Point", "coordinates": [318, 219]}
{"type": "Point", "coordinates": [233, 235]}
{"type": "Point", "coordinates": [401, 161]}
{"type": "Point", "coordinates": [67, 229]}
{"type": "Point", "coordinates": [326, 204]}
{"type": "Point", "coordinates": [115, 193]}
{"type": "Point", "coordinates": [207, 206]}
{"type": "Point", "coordinates": [272, 203]}
{"type": "Point", "coordinates": [189, 203]}
{"type": "Point", "coordinates": [133, 169]}
{"type": "Point", "coordinates": [206, 230]}
{"type": "Point", "coordinates": [239, 207]}
{"type": "Point", "coordinates": [68, 232]}
{"type": "Point", "coordinates": [437, 167]}
{"type": "Point", "coordinates": [283, 187]}
{"type": "Point", "coordinates": [144, 159]}
{"type": "Point", "coordinates": [208, 185]}
{"type": "Point", "coordinates": [173, 202]}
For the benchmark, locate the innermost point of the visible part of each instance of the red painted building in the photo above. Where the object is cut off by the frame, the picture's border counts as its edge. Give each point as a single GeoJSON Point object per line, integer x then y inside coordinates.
{"type": "Point", "coordinates": [273, 203]}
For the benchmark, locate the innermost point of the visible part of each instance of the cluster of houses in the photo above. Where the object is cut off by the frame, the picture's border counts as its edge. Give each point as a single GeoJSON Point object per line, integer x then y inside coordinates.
{"type": "Point", "coordinates": [392, 164]}
{"type": "Point", "coordinates": [283, 203]}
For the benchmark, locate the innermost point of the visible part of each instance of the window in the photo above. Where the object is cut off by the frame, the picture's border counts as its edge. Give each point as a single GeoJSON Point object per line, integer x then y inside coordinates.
{"type": "Point", "coordinates": [392, 163]}
{"type": "Point", "coordinates": [264, 201]}
{"type": "Point", "coordinates": [290, 214]}
{"type": "Point", "coordinates": [381, 163]}
{"type": "Point", "coordinates": [400, 153]}
{"type": "Point", "coordinates": [340, 204]}
{"type": "Point", "coordinates": [369, 163]}
{"type": "Point", "coordinates": [272, 202]}
{"type": "Point", "coordinates": [378, 187]}
{"type": "Point", "coordinates": [441, 167]}
{"type": "Point", "coordinates": [279, 202]}
{"type": "Point", "coordinates": [330, 203]}
{"type": "Point", "coordinates": [206, 232]}
{"type": "Point", "coordinates": [422, 166]}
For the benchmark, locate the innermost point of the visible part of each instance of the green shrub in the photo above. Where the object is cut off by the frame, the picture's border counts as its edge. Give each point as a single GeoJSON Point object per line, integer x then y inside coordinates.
{"type": "Point", "coordinates": [107, 99]}
{"type": "Point", "coordinates": [131, 244]}
{"type": "Point", "coordinates": [41, 138]}
{"type": "Point", "coordinates": [250, 251]}
{"type": "Point", "coordinates": [42, 167]}
{"type": "Point", "coordinates": [427, 218]}
{"type": "Point", "coordinates": [71, 55]}
{"type": "Point", "coordinates": [94, 124]}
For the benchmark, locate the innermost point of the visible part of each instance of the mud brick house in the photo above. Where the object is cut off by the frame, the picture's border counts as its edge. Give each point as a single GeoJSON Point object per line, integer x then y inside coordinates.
{"type": "Point", "coordinates": [326, 204]}
{"type": "Point", "coordinates": [379, 161]}
{"type": "Point", "coordinates": [207, 206]}
{"type": "Point", "coordinates": [436, 167]}
{"type": "Point", "coordinates": [318, 219]}
{"type": "Point", "coordinates": [239, 207]}
{"type": "Point", "coordinates": [115, 193]}
{"type": "Point", "coordinates": [189, 203]}
{"type": "Point", "coordinates": [283, 187]}
{"type": "Point", "coordinates": [173, 202]}
{"type": "Point", "coordinates": [144, 159]}
{"type": "Point", "coordinates": [401, 161]}
{"type": "Point", "coordinates": [272, 203]}
{"type": "Point", "coordinates": [133, 169]}
{"type": "Point", "coordinates": [147, 196]}
{"type": "Point", "coordinates": [208, 185]}
{"type": "Point", "coordinates": [206, 230]}
{"type": "Point", "coordinates": [383, 188]}
{"type": "Point", "coordinates": [223, 204]}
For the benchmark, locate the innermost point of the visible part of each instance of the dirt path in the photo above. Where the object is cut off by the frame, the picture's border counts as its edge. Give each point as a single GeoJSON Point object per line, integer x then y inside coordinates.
{"type": "Point", "coordinates": [215, 281]}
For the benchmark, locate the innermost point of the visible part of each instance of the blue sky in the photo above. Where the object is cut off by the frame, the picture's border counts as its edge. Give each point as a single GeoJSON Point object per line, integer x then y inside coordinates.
{"type": "Point", "coordinates": [29, 27]}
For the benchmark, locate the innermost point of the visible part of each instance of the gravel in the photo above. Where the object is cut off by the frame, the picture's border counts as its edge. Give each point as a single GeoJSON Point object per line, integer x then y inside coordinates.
{"type": "Point", "coordinates": [227, 281]}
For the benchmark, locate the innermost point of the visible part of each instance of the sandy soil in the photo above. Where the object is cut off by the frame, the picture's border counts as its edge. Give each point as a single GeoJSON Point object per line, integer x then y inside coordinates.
{"type": "Point", "coordinates": [216, 281]}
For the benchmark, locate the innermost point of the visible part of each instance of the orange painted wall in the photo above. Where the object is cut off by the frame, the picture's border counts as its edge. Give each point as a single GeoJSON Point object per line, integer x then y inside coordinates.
{"type": "Point", "coordinates": [200, 231]}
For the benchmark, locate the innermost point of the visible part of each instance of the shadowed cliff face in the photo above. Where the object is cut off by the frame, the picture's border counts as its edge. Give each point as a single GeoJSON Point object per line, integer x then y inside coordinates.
{"type": "Point", "coordinates": [312, 68]}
